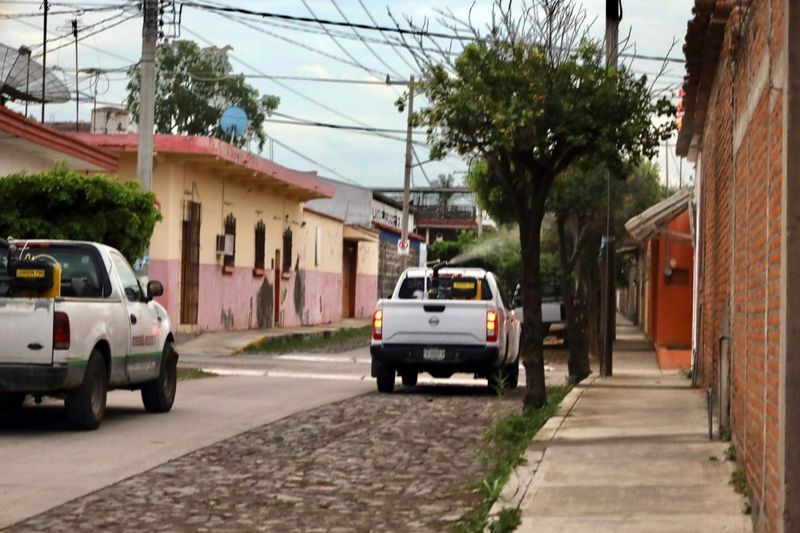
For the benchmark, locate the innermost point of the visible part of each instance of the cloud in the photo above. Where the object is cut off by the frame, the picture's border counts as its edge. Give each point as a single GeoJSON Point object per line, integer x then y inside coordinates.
{"type": "Point", "coordinates": [317, 71]}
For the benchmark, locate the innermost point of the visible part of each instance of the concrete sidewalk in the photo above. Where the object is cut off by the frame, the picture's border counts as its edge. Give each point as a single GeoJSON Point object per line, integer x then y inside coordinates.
{"type": "Point", "coordinates": [226, 343]}
{"type": "Point", "coordinates": [629, 453]}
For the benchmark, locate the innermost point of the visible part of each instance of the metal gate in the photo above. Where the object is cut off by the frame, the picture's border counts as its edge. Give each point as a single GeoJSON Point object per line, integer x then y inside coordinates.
{"type": "Point", "coordinates": [190, 263]}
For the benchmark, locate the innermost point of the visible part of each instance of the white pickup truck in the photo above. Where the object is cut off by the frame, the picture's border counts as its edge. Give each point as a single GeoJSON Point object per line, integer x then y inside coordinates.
{"type": "Point", "coordinates": [443, 321]}
{"type": "Point", "coordinates": [76, 322]}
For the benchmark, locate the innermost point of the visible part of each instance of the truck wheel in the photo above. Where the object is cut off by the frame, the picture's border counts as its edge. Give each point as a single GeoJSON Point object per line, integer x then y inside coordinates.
{"type": "Point", "coordinates": [386, 382]}
{"type": "Point", "coordinates": [410, 379]}
{"type": "Point", "coordinates": [87, 404]}
{"type": "Point", "coordinates": [159, 395]}
{"type": "Point", "coordinates": [12, 400]}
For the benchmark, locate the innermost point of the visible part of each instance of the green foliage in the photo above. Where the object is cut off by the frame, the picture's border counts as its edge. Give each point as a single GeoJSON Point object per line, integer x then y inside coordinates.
{"type": "Point", "coordinates": [503, 448]}
{"type": "Point", "coordinates": [61, 204]}
{"type": "Point", "coordinates": [193, 86]}
{"type": "Point", "coordinates": [343, 338]}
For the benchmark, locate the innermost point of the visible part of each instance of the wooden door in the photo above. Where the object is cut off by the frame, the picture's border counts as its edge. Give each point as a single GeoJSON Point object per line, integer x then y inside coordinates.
{"type": "Point", "coordinates": [349, 258]}
{"type": "Point", "coordinates": [190, 263]}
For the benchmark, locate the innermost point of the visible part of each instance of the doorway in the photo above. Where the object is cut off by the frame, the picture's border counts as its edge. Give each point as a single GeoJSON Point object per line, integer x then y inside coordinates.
{"type": "Point", "coordinates": [349, 261]}
{"type": "Point", "coordinates": [190, 263]}
{"type": "Point", "coordinates": [277, 294]}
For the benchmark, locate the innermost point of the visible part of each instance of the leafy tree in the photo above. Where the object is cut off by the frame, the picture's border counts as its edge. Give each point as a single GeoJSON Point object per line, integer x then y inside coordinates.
{"type": "Point", "coordinates": [61, 204]}
{"type": "Point", "coordinates": [193, 87]}
{"type": "Point", "coordinates": [529, 97]}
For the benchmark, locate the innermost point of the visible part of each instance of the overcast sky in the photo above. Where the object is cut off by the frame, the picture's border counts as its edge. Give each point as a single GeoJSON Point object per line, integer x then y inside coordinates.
{"type": "Point", "coordinates": [366, 159]}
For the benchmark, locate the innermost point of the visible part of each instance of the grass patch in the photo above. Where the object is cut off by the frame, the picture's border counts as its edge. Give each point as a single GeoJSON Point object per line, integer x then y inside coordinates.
{"type": "Point", "coordinates": [341, 338]}
{"type": "Point", "coordinates": [730, 453]}
{"type": "Point", "coordinates": [193, 373]}
{"type": "Point", "coordinates": [502, 450]}
{"type": "Point", "coordinates": [740, 486]}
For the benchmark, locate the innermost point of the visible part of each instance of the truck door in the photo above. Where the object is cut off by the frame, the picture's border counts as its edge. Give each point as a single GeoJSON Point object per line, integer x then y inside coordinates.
{"type": "Point", "coordinates": [142, 361]}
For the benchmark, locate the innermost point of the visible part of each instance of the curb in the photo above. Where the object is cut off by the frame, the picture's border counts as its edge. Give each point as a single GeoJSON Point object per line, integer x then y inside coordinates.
{"type": "Point", "coordinates": [520, 480]}
{"type": "Point", "coordinates": [301, 335]}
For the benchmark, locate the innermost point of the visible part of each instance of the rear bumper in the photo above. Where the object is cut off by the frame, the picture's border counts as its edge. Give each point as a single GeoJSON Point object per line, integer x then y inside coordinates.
{"type": "Point", "coordinates": [458, 358]}
{"type": "Point", "coordinates": [39, 378]}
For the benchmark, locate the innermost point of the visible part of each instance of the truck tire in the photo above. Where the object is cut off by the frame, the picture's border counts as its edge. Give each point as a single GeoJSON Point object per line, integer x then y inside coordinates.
{"type": "Point", "coordinates": [159, 395]}
{"type": "Point", "coordinates": [385, 382]}
{"type": "Point", "coordinates": [12, 400]}
{"type": "Point", "coordinates": [410, 379]}
{"type": "Point", "coordinates": [86, 405]}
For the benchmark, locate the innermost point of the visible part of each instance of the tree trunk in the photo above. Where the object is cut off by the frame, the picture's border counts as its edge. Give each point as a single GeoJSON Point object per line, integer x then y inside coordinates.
{"type": "Point", "coordinates": [589, 271]}
{"type": "Point", "coordinates": [531, 345]}
{"type": "Point", "coordinates": [574, 307]}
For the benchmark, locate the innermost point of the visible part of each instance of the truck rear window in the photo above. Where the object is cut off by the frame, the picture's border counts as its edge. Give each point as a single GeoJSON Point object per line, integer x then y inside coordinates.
{"type": "Point", "coordinates": [449, 288]}
{"type": "Point", "coordinates": [81, 268]}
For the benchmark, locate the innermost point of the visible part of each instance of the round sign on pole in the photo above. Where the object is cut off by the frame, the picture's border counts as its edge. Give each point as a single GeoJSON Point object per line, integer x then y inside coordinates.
{"type": "Point", "coordinates": [402, 247]}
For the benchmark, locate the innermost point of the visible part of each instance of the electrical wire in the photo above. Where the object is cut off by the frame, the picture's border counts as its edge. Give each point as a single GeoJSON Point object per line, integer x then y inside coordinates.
{"type": "Point", "coordinates": [312, 161]}
{"type": "Point", "coordinates": [91, 34]}
{"type": "Point", "coordinates": [305, 122]}
{"type": "Point", "coordinates": [400, 55]}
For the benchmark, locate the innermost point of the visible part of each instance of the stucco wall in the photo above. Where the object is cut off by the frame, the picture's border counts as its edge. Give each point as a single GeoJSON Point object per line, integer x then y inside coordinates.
{"type": "Point", "coordinates": [14, 160]}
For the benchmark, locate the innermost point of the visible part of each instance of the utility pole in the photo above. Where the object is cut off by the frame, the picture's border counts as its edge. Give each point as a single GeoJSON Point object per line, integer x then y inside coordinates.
{"type": "Point", "coordinates": [613, 17]}
{"type": "Point", "coordinates": [77, 94]}
{"type": "Point", "coordinates": [144, 161]}
{"type": "Point", "coordinates": [666, 168]}
{"type": "Point", "coordinates": [407, 174]}
{"type": "Point", "coordinates": [44, 54]}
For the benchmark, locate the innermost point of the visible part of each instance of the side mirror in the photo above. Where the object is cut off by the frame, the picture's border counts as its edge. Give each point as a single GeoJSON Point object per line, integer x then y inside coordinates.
{"type": "Point", "coordinates": [154, 288]}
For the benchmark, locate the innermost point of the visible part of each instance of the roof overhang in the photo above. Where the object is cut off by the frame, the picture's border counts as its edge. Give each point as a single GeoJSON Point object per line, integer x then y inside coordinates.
{"type": "Point", "coordinates": [705, 38]}
{"type": "Point", "coordinates": [223, 157]}
{"type": "Point", "coordinates": [652, 221]}
{"type": "Point", "coordinates": [27, 136]}
{"type": "Point", "coordinates": [358, 233]}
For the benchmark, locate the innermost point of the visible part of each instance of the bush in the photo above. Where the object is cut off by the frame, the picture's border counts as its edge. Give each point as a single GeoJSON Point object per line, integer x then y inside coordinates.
{"type": "Point", "coordinates": [61, 204]}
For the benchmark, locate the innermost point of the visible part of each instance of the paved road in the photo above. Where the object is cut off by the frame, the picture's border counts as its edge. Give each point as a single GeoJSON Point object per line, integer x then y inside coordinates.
{"type": "Point", "coordinates": [44, 463]}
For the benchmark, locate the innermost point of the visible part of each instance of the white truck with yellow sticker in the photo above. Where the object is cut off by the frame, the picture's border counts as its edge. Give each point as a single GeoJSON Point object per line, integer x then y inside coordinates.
{"type": "Point", "coordinates": [76, 322]}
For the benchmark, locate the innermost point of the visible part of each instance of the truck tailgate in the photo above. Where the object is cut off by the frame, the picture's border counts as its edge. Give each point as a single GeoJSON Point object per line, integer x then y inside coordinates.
{"type": "Point", "coordinates": [434, 322]}
{"type": "Point", "coordinates": [26, 331]}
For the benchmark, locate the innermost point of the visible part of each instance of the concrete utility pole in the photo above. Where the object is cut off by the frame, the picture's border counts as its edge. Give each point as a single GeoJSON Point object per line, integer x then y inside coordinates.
{"type": "Point", "coordinates": [77, 94]}
{"type": "Point", "coordinates": [44, 54]}
{"type": "Point", "coordinates": [407, 175]}
{"type": "Point", "coordinates": [613, 17]}
{"type": "Point", "coordinates": [147, 89]}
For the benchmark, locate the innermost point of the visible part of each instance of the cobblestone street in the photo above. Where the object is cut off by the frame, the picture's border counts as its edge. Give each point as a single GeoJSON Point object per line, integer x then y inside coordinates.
{"type": "Point", "coordinates": [399, 462]}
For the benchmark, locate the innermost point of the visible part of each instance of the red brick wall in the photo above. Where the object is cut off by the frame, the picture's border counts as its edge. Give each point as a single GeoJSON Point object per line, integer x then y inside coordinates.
{"type": "Point", "coordinates": [741, 255]}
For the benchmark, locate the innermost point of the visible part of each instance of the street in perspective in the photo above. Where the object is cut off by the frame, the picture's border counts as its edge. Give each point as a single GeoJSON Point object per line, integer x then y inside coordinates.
{"type": "Point", "coordinates": [350, 266]}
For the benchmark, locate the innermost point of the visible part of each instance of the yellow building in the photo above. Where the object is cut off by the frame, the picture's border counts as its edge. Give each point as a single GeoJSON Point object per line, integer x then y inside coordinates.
{"type": "Point", "coordinates": [236, 249]}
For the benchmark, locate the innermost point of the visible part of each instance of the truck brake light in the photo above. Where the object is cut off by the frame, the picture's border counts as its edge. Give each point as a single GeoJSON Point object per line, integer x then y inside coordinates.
{"type": "Point", "coordinates": [61, 333]}
{"type": "Point", "coordinates": [491, 326]}
{"type": "Point", "coordinates": [377, 324]}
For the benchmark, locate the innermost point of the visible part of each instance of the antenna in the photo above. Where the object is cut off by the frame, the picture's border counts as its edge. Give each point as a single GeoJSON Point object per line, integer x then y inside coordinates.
{"type": "Point", "coordinates": [234, 122]}
{"type": "Point", "coordinates": [21, 78]}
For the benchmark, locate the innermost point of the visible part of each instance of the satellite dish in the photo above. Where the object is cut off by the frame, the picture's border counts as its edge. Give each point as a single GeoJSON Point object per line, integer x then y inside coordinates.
{"type": "Point", "coordinates": [21, 78]}
{"type": "Point", "coordinates": [233, 121]}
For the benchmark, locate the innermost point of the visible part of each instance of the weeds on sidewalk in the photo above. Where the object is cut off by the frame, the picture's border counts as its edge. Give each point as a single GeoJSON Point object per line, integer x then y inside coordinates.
{"type": "Point", "coordinates": [341, 339]}
{"type": "Point", "coordinates": [503, 448]}
{"type": "Point", "coordinates": [194, 373]}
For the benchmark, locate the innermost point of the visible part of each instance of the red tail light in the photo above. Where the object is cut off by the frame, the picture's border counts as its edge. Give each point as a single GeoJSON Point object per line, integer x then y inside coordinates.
{"type": "Point", "coordinates": [491, 326]}
{"type": "Point", "coordinates": [377, 324]}
{"type": "Point", "coordinates": [61, 335]}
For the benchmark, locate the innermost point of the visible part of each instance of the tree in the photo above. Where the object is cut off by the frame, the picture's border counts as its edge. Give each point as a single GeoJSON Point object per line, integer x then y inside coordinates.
{"type": "Point", "coordinates": [530, 96]}
{"type": "Point", "coordinates": [193, 87]}
{"type": "Point", "coordinates": [61, 204]}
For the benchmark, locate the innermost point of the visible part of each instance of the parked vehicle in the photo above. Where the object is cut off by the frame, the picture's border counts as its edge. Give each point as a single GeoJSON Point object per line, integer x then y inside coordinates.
{"type": "Point", "coordinates": [554, 319]}
{"type": "Point", "coordinates": [442, 321]}
{"type": "Point", "coordinates": [76, 323]}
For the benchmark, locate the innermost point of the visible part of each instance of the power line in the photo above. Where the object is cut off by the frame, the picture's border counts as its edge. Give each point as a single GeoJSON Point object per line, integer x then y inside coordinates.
{"type": "Point", "coordinates": [304, 122]}
{"type": "Point", "coordinates": [296, 78]}
{"type": "Point", "coordinates": [366, 44]}
{"type": "Point", "coordinates": [401, 56]}
{"type": "Point", "coordinates": [313, 162]}
{"type": "Point", "coordinates": [90, 34]}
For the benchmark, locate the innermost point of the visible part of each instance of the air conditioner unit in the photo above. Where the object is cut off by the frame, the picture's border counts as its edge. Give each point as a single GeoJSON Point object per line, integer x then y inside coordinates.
{"type": "Point", "coordinates": [225, 244]}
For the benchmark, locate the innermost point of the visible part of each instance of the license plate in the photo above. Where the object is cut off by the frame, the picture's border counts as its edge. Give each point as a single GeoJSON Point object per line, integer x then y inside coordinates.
{"type": "Point", "coordinates": [433, 354]}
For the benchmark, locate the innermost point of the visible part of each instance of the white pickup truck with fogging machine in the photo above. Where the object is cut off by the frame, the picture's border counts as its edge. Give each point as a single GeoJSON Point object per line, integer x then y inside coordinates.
{"type": "Point", "coordinates": [441, 321]}
{"type": "Point", "coordinates": [76, 322]}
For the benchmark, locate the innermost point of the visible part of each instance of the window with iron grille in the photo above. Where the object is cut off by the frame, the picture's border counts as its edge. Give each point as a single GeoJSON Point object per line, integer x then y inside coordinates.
{"type": "Point", "coordinates": [287, 250]}
{"type": "Point", "coordinates": [230, 229]}
{"type": "Point", "coordinates": [261, 239]}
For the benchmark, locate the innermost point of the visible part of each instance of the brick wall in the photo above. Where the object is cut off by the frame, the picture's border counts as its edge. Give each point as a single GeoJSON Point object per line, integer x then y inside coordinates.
{"type": "Point", "coordinates": [391, 265]}
{"type": "Point", "coordinates": [742, 168]}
